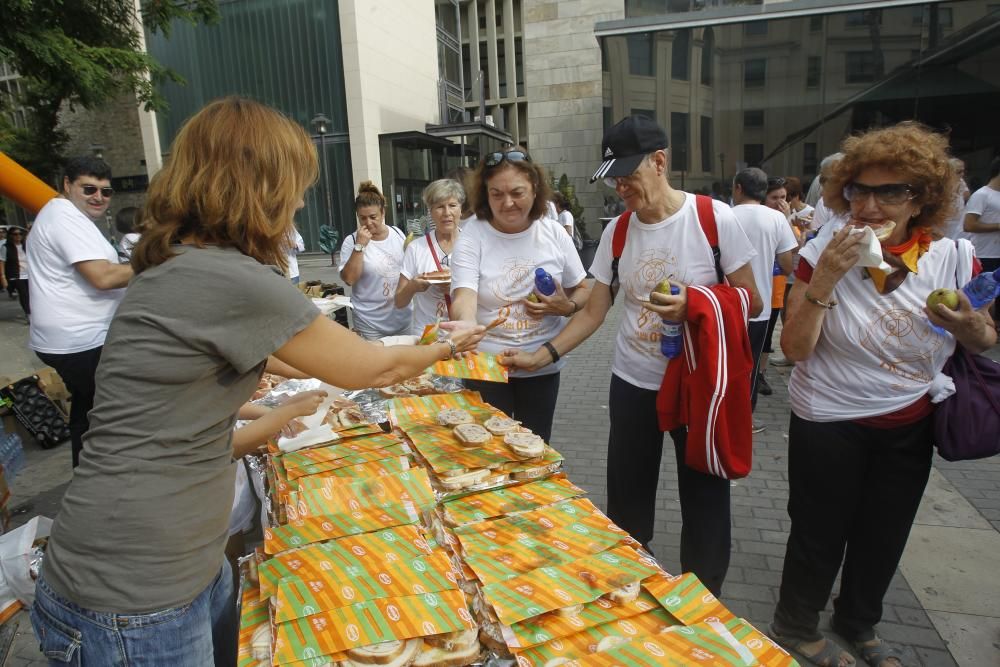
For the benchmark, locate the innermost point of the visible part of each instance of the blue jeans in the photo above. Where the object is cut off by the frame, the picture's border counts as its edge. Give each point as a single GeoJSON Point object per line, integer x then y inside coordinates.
{"type": "Point", "coordinates": [201, 633]}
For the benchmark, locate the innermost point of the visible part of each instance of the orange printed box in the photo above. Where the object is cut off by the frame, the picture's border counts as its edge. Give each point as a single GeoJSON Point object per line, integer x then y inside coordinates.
{"type": "Point", "coordinates": [499, 502]}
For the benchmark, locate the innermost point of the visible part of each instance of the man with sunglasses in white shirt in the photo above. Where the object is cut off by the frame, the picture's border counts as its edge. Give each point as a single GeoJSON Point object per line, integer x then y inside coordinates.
{"type": "Point", "coordinates": [76, 284]}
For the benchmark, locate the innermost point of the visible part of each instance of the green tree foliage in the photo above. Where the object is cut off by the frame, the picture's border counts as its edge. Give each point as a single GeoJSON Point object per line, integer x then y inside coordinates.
{"type": "Point", "coordinates": [81, 53]}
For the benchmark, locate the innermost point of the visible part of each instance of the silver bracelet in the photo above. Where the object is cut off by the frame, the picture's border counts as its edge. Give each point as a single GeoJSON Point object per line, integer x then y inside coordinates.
{"type": "Point", "coordinates": [454, 348]}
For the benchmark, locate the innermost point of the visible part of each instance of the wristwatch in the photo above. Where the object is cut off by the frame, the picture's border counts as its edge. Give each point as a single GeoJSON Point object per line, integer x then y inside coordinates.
{"type": "Point", "coordinates": [358, 247]}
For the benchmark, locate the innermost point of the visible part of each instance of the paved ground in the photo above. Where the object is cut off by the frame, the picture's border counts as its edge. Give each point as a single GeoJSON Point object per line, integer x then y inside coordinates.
{"type": "Point", "coordinates": [944, 605]}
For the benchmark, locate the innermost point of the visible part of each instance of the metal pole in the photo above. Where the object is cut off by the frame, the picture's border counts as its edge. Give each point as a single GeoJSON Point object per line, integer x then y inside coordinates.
{"type": "Point", "coordinates": [326, 180]}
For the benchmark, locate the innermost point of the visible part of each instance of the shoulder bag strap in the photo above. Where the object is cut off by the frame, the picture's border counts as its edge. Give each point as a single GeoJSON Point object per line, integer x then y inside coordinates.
{"type": "Point", "coordinates": [617, 248]}
{"type": "Point", "coordinates": [437, 263]}
{"type": "Point", "coordinates": [706, 218]}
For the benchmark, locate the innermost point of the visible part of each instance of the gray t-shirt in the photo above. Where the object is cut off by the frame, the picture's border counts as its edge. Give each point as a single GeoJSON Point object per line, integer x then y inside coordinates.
{"type": "Point", "coordinates": [143, 524]}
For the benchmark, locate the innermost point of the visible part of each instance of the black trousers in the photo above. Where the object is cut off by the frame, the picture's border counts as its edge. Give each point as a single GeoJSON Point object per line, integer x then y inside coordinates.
{"type": "Point", "coordinates": [531, 401]}
{"type": "Point", "coordinates": [635, 445]}
{"type": "Point", "coordinates": [77, 371]}
{"type": "Point", "coordinates": [853, 489]}
{"type": "Point", "coordinates": [758, 340]}
{"type": "Point", "coordinates": [21, 285]}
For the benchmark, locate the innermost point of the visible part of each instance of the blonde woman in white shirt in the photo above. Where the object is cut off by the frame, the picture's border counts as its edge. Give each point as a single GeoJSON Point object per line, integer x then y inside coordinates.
{"type": "Point", "coordinates": [493, 270]}
{"type": "Point", "coordinates": [370, 260]}
{"type": "Point", "coordinates": [861, 435]}
{"type": "Point", "coordinates": [431, 254]}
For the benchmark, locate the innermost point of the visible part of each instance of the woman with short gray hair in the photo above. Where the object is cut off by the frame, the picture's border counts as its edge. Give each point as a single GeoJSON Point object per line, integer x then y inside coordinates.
{"type": "Point", "coordinates": [425, 278]}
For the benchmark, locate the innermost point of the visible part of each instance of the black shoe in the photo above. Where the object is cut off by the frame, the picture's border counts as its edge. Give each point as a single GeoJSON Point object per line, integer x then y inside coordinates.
{"type": "Point", "coordinates": [763, 388]}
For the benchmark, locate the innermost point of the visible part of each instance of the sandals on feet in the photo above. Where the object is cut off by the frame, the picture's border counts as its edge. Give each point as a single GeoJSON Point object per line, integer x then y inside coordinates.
{"type": "Point", "coordinates": [828, 656]}
{"type": "Point", "coordinates": [876, 654]}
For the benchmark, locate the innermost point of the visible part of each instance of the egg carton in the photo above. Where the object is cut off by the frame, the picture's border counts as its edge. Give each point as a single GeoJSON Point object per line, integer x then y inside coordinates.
{"type": "Point", "coordinates": [36, 412]}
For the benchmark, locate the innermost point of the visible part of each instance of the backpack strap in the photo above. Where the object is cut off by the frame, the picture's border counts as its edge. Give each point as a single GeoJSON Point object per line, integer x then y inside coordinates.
{"type": "Point", "coordinates": [617, 248]}
{"type": "Point", "coordinates": [706, 218]}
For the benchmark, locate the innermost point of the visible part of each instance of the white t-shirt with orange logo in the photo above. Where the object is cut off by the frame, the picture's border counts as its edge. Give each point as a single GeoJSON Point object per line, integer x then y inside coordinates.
{"type": "Point", "coordinates": [876, 353]}
{"type": "Point", "coordinates": [429, 306]}
{"type": "Point", "coordinates": [373, 295]}
{"type": "Point", "coordinates": [500, 268]}
{"type": "Point", "coordinates": [677, 249]}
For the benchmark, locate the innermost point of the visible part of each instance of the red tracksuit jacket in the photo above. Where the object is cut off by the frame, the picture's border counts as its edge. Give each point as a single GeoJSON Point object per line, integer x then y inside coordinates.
{"type": "Point", "coordinates": [707, 388]}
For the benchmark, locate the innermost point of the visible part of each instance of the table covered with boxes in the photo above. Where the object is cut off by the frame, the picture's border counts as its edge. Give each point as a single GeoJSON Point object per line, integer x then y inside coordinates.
{"type": "Point", "coordinates": [450, 537]}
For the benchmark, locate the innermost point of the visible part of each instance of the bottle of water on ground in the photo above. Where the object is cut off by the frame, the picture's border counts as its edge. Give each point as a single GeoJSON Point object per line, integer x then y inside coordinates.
{"type": "Point", "coordinates": [544, 283]}
{"type": "Point", "coordinates": [11, 454]}
{"type": "Point", "coordinates": [672, 336]}
{"type": "Point", "coordinates": [983, 289]}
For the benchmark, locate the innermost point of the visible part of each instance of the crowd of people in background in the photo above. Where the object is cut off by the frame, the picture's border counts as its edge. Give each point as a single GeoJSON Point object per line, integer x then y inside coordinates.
{"type": "Point", "coordinates": [740, 259]}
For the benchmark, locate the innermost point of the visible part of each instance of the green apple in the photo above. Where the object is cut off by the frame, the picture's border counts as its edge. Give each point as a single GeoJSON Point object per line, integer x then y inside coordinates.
{"type": "Point", "coordinates": [663, 287]}
{"type": "Point", "coordinates": [948, 297]}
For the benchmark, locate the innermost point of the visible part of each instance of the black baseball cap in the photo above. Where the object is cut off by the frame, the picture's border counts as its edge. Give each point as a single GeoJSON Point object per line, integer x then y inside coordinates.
{"type": "Point", "coordinates": [626, 143]}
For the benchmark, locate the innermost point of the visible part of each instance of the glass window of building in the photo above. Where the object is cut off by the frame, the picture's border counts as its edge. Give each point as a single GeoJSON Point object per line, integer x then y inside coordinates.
{"type": "Point", "coordinates": [859, 67]}
{"type": "Point", "coordinates": [706, 144]}
{"type": "Point", "coordinates": [707, 56]}
{"type": "Point", "coordinates": [755, 28]}
{"type": "Point", "coordinates": [754, 72]}
{"type": "Point", "coordinates": [640, 54]}
{"type": "Point", "coordinates": [814, 71]}
{"type": "Point", "coordinates": [787, 98]}
{"type": "Point", "coordinates": [679, 141]}
{"type": "Point", "coordinates": [753, 118]}
{"type": "Point", "coordinates": [680, 51]}
{"type": "Point", "coordinates": [753, 154]}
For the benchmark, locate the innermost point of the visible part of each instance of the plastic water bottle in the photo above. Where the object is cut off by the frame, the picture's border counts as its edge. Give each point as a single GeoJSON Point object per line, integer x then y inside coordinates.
{"type": "Point", "coordinates": [776, 271]}
{"type": "Point", "coordinates": [672, 337]}
{"type": "Point", "coordinates": [983, 289]}
{"type": "Point", "coordinates": [544, 282]}
{"type": "Point", "coordinates": [11, 454]}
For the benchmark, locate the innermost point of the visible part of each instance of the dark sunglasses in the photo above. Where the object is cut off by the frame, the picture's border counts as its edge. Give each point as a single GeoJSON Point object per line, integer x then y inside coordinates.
{"type": "Point", "coordinates": [92, 189]}
{"type": "Point", "coordinates": [890, 194]}
{"type": "Point", "coordinates": [17, 234]}
{"type": "Point", "coordinates": [493, 159]}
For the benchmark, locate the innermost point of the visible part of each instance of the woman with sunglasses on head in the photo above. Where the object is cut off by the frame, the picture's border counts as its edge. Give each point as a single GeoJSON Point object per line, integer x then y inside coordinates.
{"type": "Point", "coordinates": [370, 260]}
{"type": "Point", "coordinates": [425, 279]}
{"type": "Point", "coordinates": [861, 436]}
{"type": "Point", "coordinates": [493, 276]}
{"type": "Point", "coordinates": [135, 570]}
{"type": "Point", "coordinates": [14, 267]}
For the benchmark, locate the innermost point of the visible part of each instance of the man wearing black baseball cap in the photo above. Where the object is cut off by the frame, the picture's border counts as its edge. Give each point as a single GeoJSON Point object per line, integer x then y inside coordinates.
{"type": "Point", "coordinates": [662, 240]}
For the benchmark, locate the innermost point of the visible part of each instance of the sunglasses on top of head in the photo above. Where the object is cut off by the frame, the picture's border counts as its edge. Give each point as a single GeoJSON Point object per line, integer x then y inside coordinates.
{"type": "Point", "coordinates": [89, 190]}
{"type": "Point", "coordinates": [493, 159]}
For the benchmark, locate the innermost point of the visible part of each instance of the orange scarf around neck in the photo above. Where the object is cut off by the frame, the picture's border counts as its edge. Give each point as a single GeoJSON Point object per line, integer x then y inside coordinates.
{"type": "Point", "coordinates": [906, 256]}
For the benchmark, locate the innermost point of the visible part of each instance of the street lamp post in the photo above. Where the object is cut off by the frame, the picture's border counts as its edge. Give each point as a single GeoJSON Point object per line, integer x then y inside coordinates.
{"type": "Point", "coordinates": [321, 125]}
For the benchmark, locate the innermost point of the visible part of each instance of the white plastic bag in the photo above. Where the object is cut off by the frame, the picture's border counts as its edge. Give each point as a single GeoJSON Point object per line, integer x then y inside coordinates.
{"type": "Point", "coordinates": [15, 561]}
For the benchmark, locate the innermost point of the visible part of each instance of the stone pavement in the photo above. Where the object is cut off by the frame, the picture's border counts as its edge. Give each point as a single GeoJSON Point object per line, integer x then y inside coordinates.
{"type": "Point", "coordinates": [944, 604]}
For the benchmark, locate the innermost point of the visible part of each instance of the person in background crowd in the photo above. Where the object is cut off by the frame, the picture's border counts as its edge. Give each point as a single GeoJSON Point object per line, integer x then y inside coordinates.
{"type": "Point", "coordinates": [800, 213]}
{"type": "Point", "coordinates": [801, 219]}
{"type": "Point", "coordinates": [564, 214]}
{"type": "Point", "coordinates": [296, 245]}
{"type": "Point", "coordinates": [777, 199]}
{"type": "Point", "coordinates": [461, 176]}
{"type": "Point", "coordinates": [76, 284]}
{"type": "Point", "coordinates": [982, 222]}
{"type": "Point", "coordinates": [444, 199]}
{"type": "Point", "coordinates": [127, 226]}
{"type": "Point", "coordinates": [370, 260]}
{"type": "Point", "coordinates": [14, 267]}
{"type": "Point", "coordinates": [860, 439]}
{"type": "Point", "coordinates": [135, 568]}
{"type": "Point", "coordinates": [493, 273]}
{"type": "Point", "coordinates": [771, 236]}
{"type": "Point", "coordinates": [814, 197]}
{"type": "Point", "coordinates": [664, 241]}
{"type": "Point", "coordinates": [955, 228]}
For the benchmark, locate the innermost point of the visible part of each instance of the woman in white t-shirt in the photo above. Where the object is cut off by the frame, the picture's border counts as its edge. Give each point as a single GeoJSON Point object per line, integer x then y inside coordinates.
{"type": "Point", "coordinates": [425, 278]}
{"type": "Point", "coordinates": [861, 434]}
{"type": "Point", "coordinates": [493, 271]}
{"type": "Point", "coordinates": [14, 267]}
{"type": "Point", "coordinates": [370, 260]}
